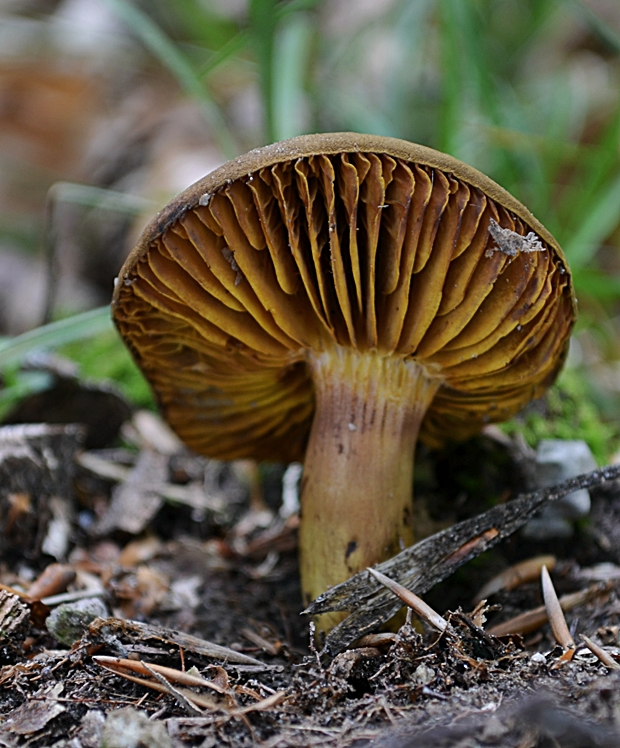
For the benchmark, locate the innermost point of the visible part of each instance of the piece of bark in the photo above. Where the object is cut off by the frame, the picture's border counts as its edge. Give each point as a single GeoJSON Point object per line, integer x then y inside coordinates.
{"type": "Point", "coordinates": [36, 488]}
{"type": "Point", "coordinates": [134, 503]}
{"type": "Point", "coordinates": [34, 715]}
{"type": "Point", "coordinates": [14, 620]}
{"type": "Point", "coordinates": [127, 635]}
{"type": "Point", "coordinates": [428, 562]}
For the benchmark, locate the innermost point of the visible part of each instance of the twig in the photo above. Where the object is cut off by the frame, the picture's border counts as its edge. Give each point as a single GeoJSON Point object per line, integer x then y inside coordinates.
{"type": "Point", "coordinates": [261, 706]}
{"type": "Point", "coordinates": [197, 699]}
{"type": "Point", "coordinates": [105, 627]}
{"type": "Point", "coordinates": [515, 575]}
{"type": "Point", "coordinates": [69, 597]}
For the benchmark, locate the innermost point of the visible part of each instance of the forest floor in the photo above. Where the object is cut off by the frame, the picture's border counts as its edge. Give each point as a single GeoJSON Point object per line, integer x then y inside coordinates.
{"type": "Point", "coordinates": [175, 613]}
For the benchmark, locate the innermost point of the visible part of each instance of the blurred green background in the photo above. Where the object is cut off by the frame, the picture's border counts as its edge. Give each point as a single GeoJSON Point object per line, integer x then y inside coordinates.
{"type": "Point", "coordinates": [110, 107]}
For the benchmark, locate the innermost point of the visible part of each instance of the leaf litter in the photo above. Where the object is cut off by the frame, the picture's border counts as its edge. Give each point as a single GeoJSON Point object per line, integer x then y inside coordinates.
{"type": "Point", "coordinates": [202, 633]}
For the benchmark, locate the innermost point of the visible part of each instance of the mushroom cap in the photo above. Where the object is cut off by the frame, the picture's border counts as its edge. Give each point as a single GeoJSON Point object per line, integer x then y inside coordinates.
{"type": "Point", "coordinates": [340, 240]}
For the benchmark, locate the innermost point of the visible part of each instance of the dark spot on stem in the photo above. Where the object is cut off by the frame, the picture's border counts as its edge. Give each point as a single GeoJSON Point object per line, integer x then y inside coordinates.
{"type": "Point", "coordinates": [351, 547]}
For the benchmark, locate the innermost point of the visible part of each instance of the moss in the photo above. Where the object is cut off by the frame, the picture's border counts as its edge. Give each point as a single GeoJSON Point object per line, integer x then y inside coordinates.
{"type": "Point", "coordinates": [568, 411]}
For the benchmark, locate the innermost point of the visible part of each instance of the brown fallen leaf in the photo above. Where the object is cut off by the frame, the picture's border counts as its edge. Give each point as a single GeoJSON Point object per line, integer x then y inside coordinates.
{"type": "Point", "coordinates": [54, 579]}
{"type": "Point", "coordinates": [40, 709]}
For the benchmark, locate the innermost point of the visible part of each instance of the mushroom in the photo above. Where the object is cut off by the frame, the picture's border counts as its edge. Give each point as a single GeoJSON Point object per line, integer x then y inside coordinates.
{"type": "Point", "coordinates": [330, 299]}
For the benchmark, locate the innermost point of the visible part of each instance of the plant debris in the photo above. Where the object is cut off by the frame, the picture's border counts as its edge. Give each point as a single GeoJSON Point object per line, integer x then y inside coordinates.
{"type": "Point", "coordinates": [426, 563]}
{"type": "Point", "coordinates": [205, 646]}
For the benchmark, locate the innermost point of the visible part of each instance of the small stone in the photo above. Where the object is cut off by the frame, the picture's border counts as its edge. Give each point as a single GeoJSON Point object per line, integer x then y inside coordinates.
{"type": "Point", "coordinates": [68, 622]}
{"type": "Point", "coordinates": [538, 658]}
{"type": "Point", "coordinates": [424, 675]}
{"type": "Point", "coordinates": [556, 461]}
{"type": "Point", "coordinates": [129, 728]}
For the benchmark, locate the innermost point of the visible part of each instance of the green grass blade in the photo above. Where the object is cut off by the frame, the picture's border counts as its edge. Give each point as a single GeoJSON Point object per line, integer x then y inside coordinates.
{"type": "Point", "coordinates": [239, 42]}
{"type": "Point", "coordinates": [263, 26]}
{"type": "Point", "coordinates": [232, 47]}
{"type": "Point", "coordinates": [596, 165]}
{"type": "Point", "coordinates": [604, 216]}
{"type": "Point", "coordinates": [175, 61]}
{"type": "Point", "coordinates": [294, 6]}
{"type": "Point", "coordinates": [291, 57]}
{"type": "Point", "coordinates": [97, 197]}
{"type": "Point", "coordinates": [78, 327]}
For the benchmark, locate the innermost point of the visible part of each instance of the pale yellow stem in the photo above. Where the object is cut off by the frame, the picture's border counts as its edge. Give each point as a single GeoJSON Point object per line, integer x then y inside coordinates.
{"type": "Point", "coordinates": [356, 500]}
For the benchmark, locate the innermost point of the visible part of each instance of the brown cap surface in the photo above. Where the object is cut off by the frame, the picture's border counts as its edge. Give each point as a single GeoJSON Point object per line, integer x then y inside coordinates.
{"type": "Point", "coordinates": [349, 240]}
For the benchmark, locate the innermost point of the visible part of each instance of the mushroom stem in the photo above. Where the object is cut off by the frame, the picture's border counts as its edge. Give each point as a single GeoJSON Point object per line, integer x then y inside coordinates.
{"type": "Point", "coordinates": [356, 501]}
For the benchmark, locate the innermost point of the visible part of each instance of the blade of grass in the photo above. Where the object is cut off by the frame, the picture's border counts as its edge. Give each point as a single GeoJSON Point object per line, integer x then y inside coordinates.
{"type": "Point", "coordinates": [408, 30]}
{"type": "Point", "coordinates": [78, 327]}
{"type": "Point", "coordinates": [472, 94]}
{"type": "Point", "coordinates": [453, 72]}
{"type": "Point", "coordinates": [291, 57]}
{"type": "Point", "coordinates": [96, 197]}
{"type": "Point", "coordinates": [296, 5]}
{"type": "Point", "coordinates": [80, 194]}
{"type": "Point", "coordinates": [604, 216]}
{"type": "Point", "coordinates": [232, 47]}
{"type": "Point", "coordinates": [175, 61]}
{"type": "Point", "coordinates": [238, 43]}
{"type": "Point", "coordinates": [596, 164]}
{"type": "Point", "coordinates": [263, 26]}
